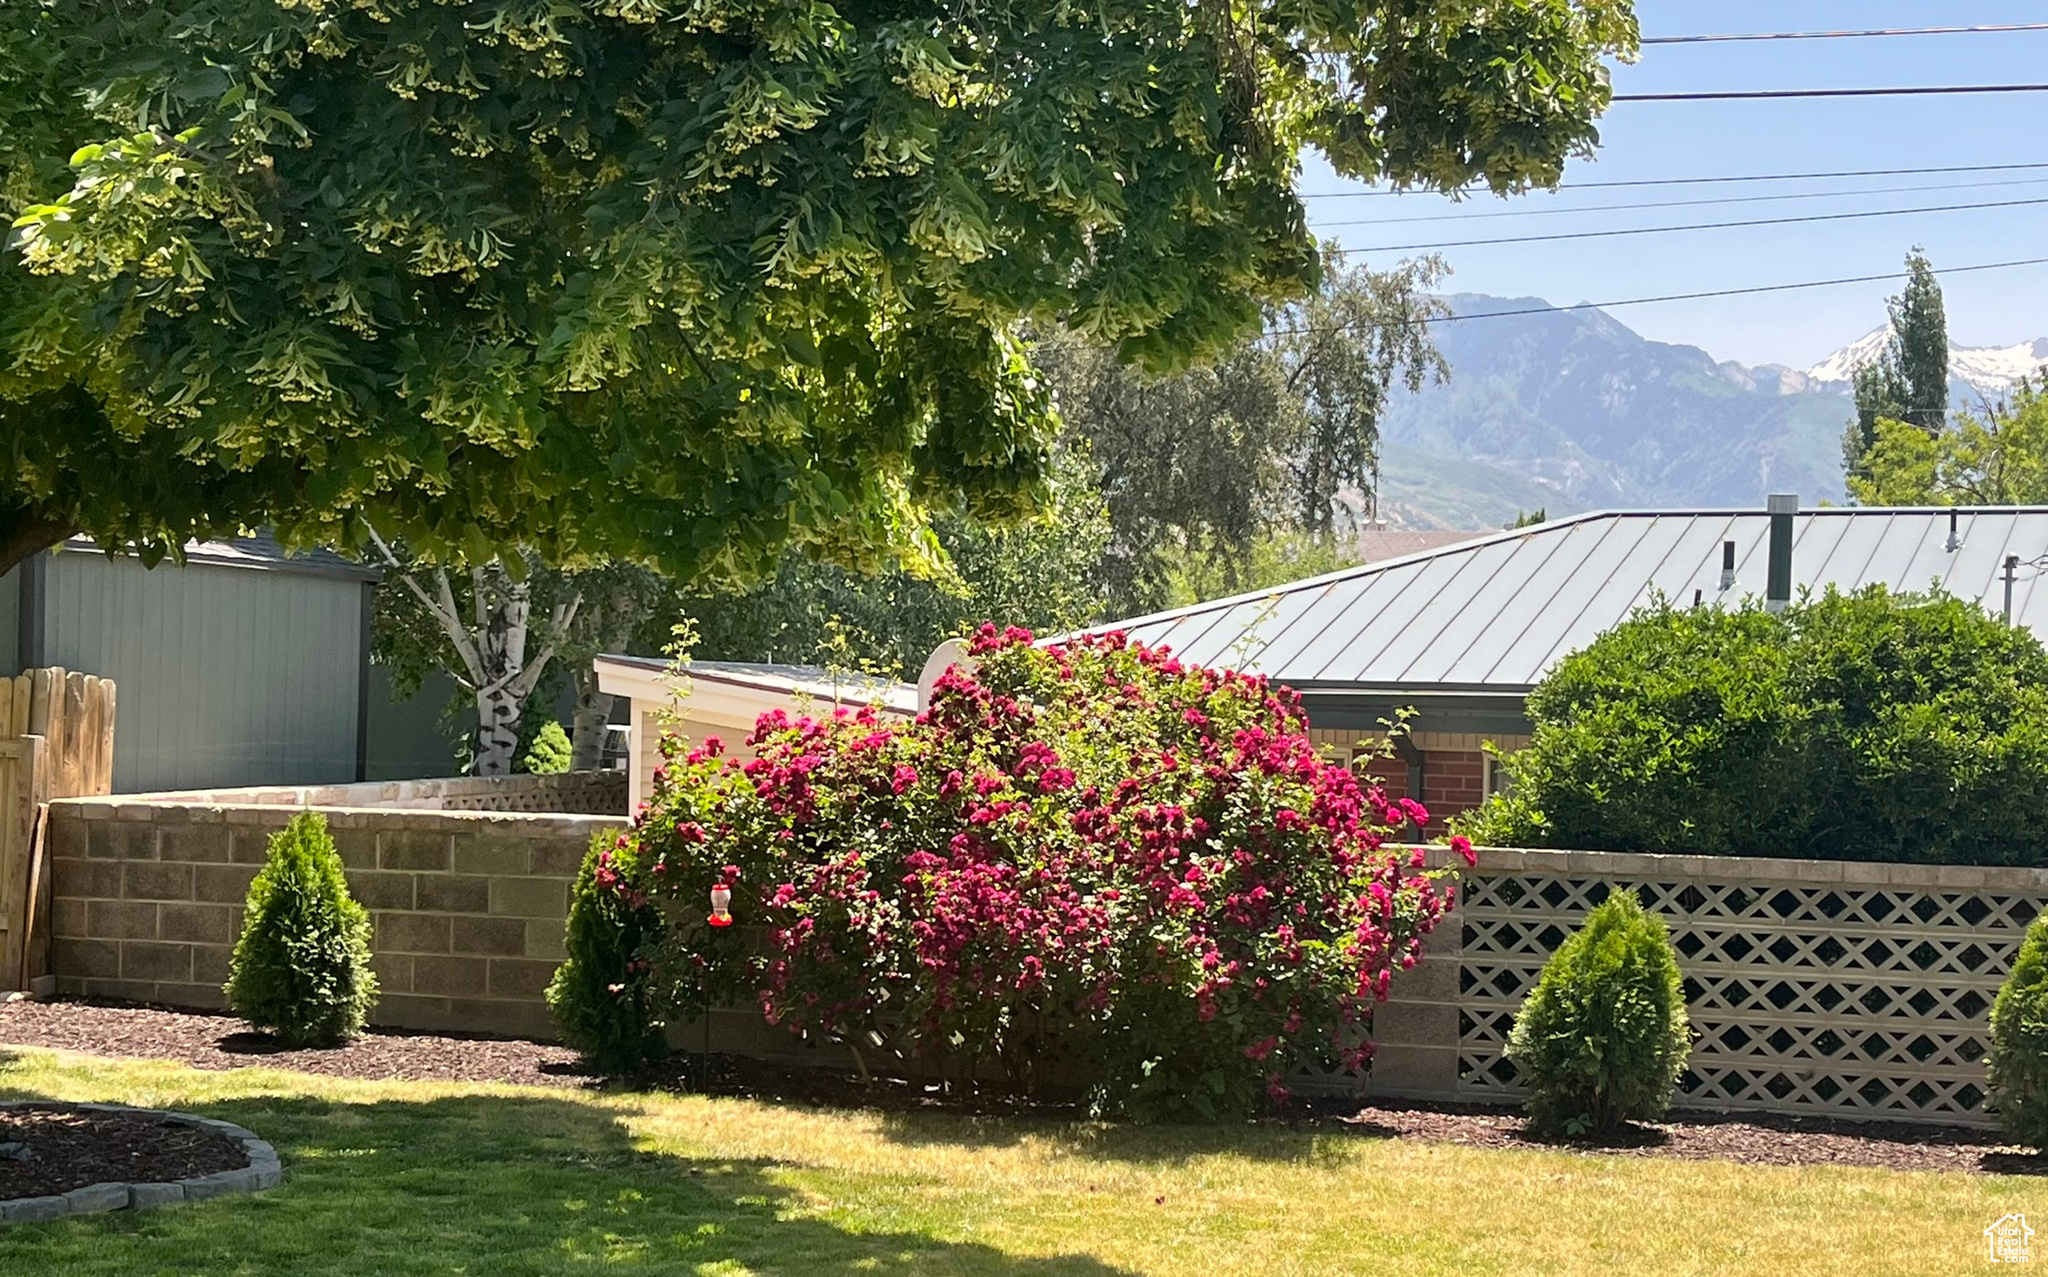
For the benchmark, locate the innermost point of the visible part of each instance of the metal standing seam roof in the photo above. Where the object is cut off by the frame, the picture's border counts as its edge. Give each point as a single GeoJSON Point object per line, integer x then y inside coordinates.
{"type": "Point", "coordinates": [1494, 614]}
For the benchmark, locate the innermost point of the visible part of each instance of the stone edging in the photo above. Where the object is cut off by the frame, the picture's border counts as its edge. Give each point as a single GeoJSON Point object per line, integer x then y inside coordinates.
{"type": "Point", "coordinates": [263, 1171]}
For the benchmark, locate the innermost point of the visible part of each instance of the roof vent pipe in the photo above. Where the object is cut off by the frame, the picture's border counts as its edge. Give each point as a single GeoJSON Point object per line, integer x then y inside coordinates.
{"type": "Point", "coordinates": [1727, 565]}
{"type": "Point", "coordinates": [1778, 587]}
{"type": "Point", "coordinates": [1955, 542]}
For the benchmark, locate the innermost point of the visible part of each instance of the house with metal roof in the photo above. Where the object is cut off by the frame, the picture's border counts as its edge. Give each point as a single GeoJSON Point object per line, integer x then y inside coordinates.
{"type": "Point", "coordinates": [1462, 633]}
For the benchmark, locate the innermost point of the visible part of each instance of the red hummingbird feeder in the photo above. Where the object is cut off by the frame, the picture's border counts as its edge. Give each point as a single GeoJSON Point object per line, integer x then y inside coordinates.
{"type": "Point", "coordinates": [721, 906]}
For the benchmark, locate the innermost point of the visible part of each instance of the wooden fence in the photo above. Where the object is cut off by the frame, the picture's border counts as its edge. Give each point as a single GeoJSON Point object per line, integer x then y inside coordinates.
{"type": "Point", "coordinates": [56, 741]}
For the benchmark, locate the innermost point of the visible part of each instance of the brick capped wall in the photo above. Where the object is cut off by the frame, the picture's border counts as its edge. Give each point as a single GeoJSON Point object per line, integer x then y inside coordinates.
{"type": "Point", "coordinates": [467, 906]}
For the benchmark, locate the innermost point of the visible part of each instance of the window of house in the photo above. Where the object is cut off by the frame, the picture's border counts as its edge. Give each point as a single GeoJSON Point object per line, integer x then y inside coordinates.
{"type": "Point", "coordinates": [1497, 779]}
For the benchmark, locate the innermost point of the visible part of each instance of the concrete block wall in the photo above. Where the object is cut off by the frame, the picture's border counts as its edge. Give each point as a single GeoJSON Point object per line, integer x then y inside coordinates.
{"type": "Point", "coordinates": [468, 907]}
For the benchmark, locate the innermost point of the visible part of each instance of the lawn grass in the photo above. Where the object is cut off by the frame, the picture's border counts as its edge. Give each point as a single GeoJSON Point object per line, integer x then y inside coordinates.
{"type": "Point", "coordinates": [393, 1177]}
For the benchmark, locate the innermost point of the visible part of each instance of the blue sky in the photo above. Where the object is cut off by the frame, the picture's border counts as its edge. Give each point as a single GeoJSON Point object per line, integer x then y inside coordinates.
{"type": "Point", "coordinates": [1711, 139]}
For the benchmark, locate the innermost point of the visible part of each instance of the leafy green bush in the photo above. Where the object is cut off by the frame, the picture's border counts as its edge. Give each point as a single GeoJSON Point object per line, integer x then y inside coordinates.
{"type": "Point", "coordinates": [1865, 726]}
{"type": "Point", "coordinates": [301, 969]}
{"type": "Point", "coordinates": [548, 753]}
{"type": "Point", "coordinates": [1603, 1036]}
{"type": "Point", "coordinates": [600, 995]}
{"type": "Point", "coordinates": [2019, 1043]}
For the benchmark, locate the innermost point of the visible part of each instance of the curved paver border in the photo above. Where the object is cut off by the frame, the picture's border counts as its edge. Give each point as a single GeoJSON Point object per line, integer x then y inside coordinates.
{"type": "Point", "coordinates": [263, 1171]}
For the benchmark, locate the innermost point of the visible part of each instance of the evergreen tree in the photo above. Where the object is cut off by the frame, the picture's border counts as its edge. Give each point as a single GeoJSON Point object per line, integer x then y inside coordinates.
{"type": "Point", "coordinates": [1909, 381]}
{"type": "Point", "coordinates": [1919, 345]}
{"type": "Point", "coordinates": [301, 970]}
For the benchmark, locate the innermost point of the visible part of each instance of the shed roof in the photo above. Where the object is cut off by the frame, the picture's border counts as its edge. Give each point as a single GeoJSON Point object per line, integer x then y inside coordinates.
{"type": "Point", "coordinates": [1493, 615]}
{"type": "Point", "coordinates": [261, 552]}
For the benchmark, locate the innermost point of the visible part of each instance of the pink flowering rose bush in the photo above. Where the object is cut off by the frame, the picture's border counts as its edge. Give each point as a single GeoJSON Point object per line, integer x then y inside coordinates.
{"type": "Point", "coordinates": [1084, 865]}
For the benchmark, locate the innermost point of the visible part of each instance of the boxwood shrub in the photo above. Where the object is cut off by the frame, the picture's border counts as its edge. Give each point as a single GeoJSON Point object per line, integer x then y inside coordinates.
{"type": "Point", "coordinates": [1871, 725]}
{"type": "Point", "coordinates": [1087, 867]}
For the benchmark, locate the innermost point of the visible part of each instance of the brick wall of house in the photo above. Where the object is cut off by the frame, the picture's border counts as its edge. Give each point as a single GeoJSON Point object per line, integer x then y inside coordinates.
{"type": "Point", "coordinates": [468, 907]}
{"type": "Point", "coordinates": [1454, 780]}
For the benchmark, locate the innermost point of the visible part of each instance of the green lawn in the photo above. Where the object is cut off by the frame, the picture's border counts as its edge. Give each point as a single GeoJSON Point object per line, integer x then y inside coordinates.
{"type": "Point", "coordinates": [446, 1178]}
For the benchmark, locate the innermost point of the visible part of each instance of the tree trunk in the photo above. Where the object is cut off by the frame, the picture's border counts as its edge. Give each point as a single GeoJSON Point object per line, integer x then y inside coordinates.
{"type": "Point", "coordinates": [500, 698]}
{"type": "Point", "coordinates": [498, 715]}
{"type": "Point", "coordinates": [593, 714]}
{"type": "Point", "coordinates": [24, 532]}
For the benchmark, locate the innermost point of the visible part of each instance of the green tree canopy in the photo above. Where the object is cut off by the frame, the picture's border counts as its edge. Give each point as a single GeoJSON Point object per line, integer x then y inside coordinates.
{"type": "Point", "coordinates": [1280, 436]}
{"type": "Point", "coordinates": [1998, 457]}
{"type": "Point", "coordinates": [687, 282]}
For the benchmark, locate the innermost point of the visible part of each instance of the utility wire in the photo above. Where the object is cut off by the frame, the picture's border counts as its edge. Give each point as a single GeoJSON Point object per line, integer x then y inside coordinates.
{"type": "Point", "coordinates": [1695, 226]}
{"type": "Point", "coordinates": [1725, 199]}
{"type": "Point", "coordinates": [1732, 95]}
{"type": "Point", "coordinates": [1700, 181]}
{"type": "Point", "coordinates": [1668, 297]}
{"type": "Point", "coordinates": [1846, 35]}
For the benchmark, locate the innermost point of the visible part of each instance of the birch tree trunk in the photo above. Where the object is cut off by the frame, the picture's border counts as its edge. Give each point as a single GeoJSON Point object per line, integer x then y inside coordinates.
{"type": "Point", "coordinates": [501, 688]}
{"type": "Point", "coordinates": [593, 716]}
{"type": "Point", "coordinates": [491, 644]}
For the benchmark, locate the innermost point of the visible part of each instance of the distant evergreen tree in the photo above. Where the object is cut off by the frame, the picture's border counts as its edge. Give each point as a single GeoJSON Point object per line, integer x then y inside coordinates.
{"type": "Point", "coordinates": [1909, 381]}
{"type": "Point", "coordinates": [1919, 346]}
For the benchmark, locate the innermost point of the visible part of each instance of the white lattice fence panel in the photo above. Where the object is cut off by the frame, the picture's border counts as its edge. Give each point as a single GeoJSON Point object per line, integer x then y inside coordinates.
{"type": "Point", "coordinates": [1864, 1000]}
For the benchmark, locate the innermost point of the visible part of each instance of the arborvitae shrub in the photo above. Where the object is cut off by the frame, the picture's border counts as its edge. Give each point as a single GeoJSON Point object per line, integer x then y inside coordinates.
{"type": "Point", "coordinates": [2019, 1043]}
{"type": "Point", "coordinates": [548, 753]}
{"type": "Point", "coordinates": [1602, 1038]}
{"type": "Point", "coordinates": [301, 969]}
{"type": "Point", "coordinates": [600, 996]}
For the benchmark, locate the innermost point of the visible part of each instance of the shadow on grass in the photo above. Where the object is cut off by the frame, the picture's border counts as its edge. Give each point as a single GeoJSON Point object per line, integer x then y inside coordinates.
{"type": "Point", "coordinates": [489, 1184]}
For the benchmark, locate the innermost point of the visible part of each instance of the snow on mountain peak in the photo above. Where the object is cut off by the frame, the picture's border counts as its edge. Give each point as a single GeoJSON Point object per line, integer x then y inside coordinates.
{"type": "Point", "coordinates": [1989, 370]}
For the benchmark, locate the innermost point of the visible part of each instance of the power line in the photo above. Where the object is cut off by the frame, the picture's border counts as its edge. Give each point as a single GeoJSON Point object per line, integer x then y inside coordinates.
{"type": "Point", "coordinates": [1846, 35]}
{"type": "Point", "coordinates": [1668, 297]}
{"type": "Point", "coordinates": [1696, 226]}
{"type": "Point", "coordinates": [1725, 199]}
{"type": "Point", "coordinates": [1701, 181]}
{"type": "Point", "coordinates": [1732, 95]}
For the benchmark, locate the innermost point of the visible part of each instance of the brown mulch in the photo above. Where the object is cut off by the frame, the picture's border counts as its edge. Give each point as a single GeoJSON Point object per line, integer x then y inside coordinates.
{"type": "Point", "coordinates": [70, 1148]}
{"type": "Point", "coordinates": [222, 1042]}
{"type": "Point", "coordinates": [1757, 1139]}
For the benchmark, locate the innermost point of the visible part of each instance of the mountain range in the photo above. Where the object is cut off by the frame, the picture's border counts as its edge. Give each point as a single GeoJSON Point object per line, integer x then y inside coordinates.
{"type": "Point", "coordinates": [1571, 410]}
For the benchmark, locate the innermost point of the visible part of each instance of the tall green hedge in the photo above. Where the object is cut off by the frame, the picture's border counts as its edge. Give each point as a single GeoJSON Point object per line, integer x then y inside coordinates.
{"type": "Point", "coordinates": [1865, 726]}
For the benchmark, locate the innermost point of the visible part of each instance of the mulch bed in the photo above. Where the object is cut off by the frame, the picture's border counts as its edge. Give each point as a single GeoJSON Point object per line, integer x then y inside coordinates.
{"type": "Point", "coordinates": [222, 1042]}
{"type": "Point", "coordinates": [71, 1148]}
{"type": "Point", "coordinates": [1757, 1139]}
